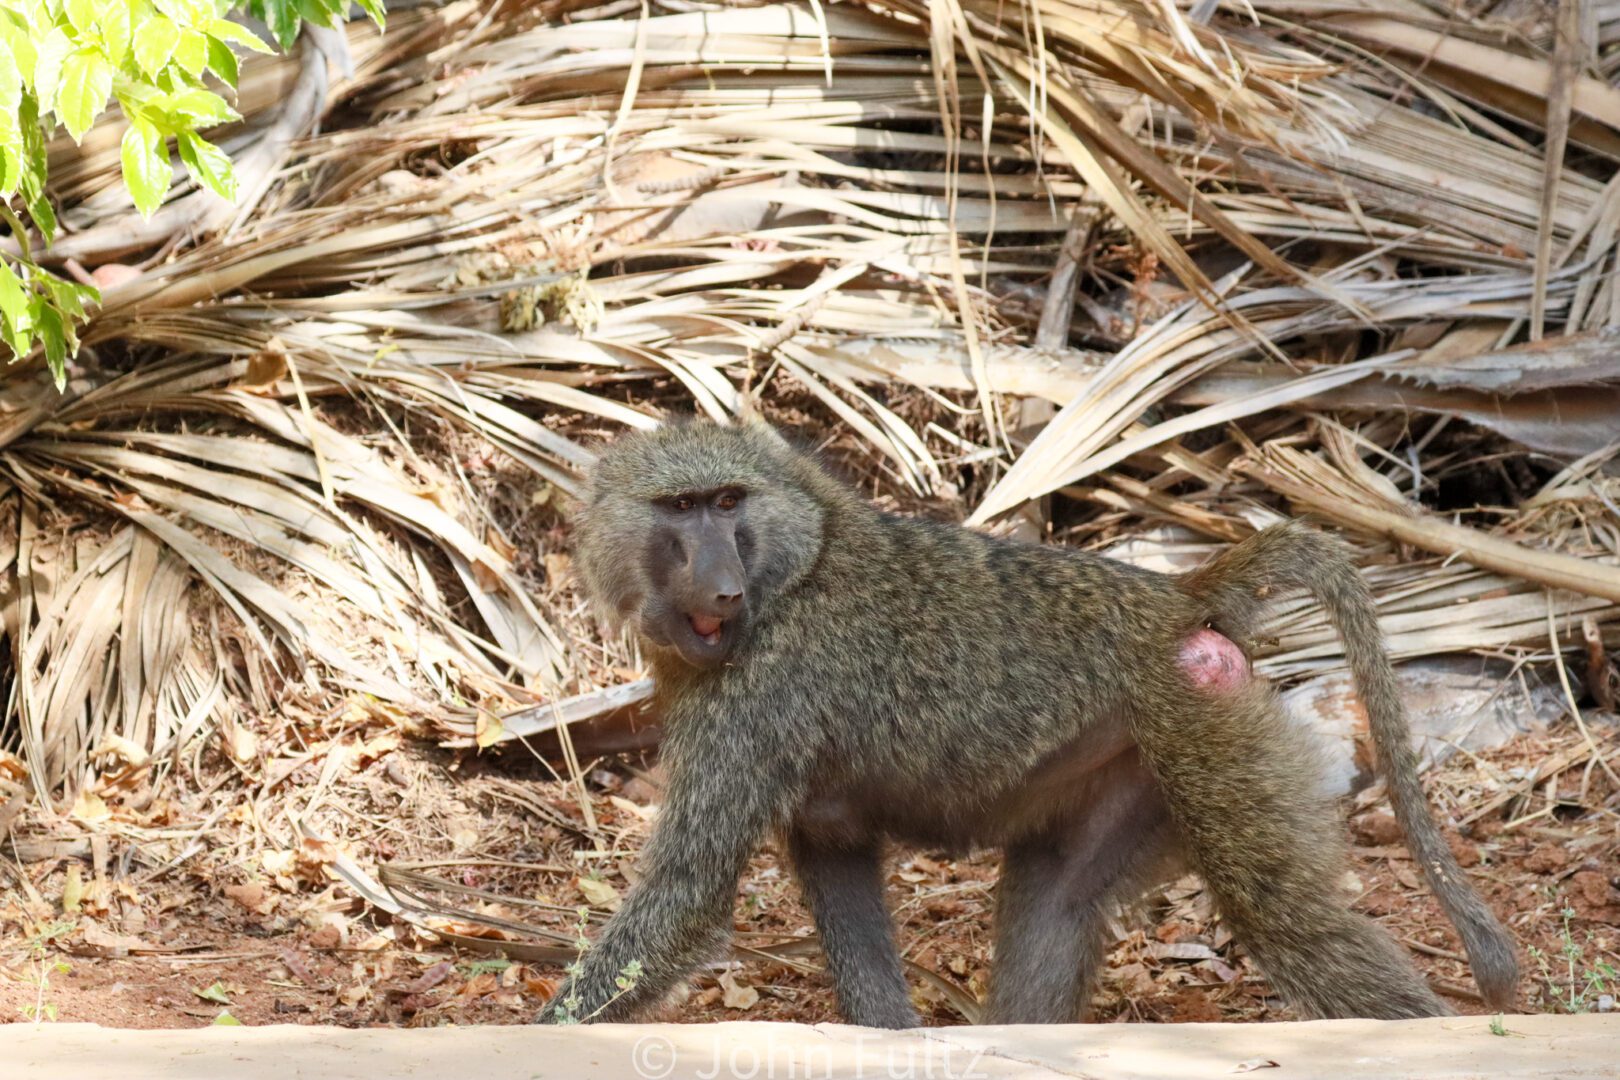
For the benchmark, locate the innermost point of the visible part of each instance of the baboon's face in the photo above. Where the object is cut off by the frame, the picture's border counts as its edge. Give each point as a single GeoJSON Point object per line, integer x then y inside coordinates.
{"type": "Point", "coordinates": [691, 532]}
{"type": "Point", "coordinates": [696, 561]}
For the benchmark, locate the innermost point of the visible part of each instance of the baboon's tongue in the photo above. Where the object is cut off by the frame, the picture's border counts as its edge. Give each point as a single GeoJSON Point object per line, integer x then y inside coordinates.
{"type": "Point", "coordinates": [706, 625]}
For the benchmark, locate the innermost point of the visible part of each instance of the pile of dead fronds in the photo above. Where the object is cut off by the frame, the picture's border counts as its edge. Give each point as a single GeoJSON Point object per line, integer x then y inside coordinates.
{"type": "Point", "coordinates": [1130, 275]}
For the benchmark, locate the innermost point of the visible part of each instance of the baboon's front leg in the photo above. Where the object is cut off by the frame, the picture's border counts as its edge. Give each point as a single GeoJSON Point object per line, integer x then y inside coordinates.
{"type": "Point", "coordinates": [844, 888]}
{"type": "Point", "coordinates": [730, 781]}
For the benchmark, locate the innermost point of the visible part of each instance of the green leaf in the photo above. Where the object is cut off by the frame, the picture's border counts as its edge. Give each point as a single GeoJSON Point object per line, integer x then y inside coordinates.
{"type": "Point", "coordinates": [53, 50]}
{"type": "Point", "coordinates": [11, 154]}
{"type": "Point", "coordinates": [191, 53]}
{"type": "Point", "coordinates": [281, 16]}
{"type": "Point", "coordinates": [208, 164]}
{"type": "Point", "coordinates": [19, 339]}
{"type": "Point", "coordinates": [236, 34]}
{"type": "Point", "coordinates": [146, 166]}
{"type": "Point", "coordinates": [81, 15]}
{"type": "Point", "coordinates": [48, 325]}
{"type": "Point", "coordinates": [16, 40]}
{"type": "Point", "coordinates": [225, 1019]}
{"type": "Point", "coordinates": [11, 165]}
{"type": "Point", "coordinates": [135, 96]}
{"type": "Point", "coordinates": [86, 85]}
{"type": "Point", "coordinates": [44, 215]}
{"type": "Point", "coordinates": [112, 17]}
{"type": "Point", "coordinates": [203, 108]}
{"type": "Point", "coordinates": [11, 137]}
{"type": "Point", "coordinates": [215, 993]}
{"type": "Point", "coordinates": [221, 61]}
{"type": "Point", "coordinates": [69, 297]}
{"type": "Point", "coordinates": [11, 87]}
{"type": "Point", "coordinates": [374, 8]}
{"type": "Point", "coordinates": [13, 297]}
{"type": "Point", "coordinates": [34, 156]}
{"type": "Point", "coordinates": [154, 43]}
{"type": "Point", "coordinates": [314, 11]}
{"type": "Point", "coordinates": [34, 162]}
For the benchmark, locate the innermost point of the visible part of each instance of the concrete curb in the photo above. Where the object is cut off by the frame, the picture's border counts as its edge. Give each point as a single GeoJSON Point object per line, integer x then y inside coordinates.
{"type": "Point", "coordinates": [1550, 1047]}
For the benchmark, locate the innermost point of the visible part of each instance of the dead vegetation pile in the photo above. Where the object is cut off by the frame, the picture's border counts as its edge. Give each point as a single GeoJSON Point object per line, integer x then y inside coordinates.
{"type": "Point", "coordinates": [1137, 277]}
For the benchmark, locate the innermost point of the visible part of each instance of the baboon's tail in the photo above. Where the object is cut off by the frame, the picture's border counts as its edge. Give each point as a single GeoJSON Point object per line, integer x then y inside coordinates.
{"type": "Point", "coordinates": [1234, 589]}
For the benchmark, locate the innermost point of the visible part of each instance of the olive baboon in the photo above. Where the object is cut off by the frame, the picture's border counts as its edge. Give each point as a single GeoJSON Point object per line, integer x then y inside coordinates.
{"type": "Point", "coordinates": [841, 676]}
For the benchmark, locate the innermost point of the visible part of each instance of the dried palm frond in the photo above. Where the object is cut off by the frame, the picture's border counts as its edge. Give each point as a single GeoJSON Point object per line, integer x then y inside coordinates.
{"type": "Point", "coordinates": [527, 226]}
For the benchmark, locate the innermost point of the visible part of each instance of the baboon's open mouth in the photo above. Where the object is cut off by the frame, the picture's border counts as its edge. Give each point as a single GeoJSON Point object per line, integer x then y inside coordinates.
{"type": "Point", "coordinates": [708, 628]}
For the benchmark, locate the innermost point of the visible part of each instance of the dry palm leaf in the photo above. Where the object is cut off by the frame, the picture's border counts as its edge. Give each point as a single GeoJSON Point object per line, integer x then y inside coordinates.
{"type": "Point", "coordinates": [531, 225]}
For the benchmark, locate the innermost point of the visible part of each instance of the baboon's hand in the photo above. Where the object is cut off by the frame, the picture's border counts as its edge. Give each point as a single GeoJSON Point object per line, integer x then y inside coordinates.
{"type": "Point", "coordinates": [625, 971]}
{"type": "Point", "coordinates": [552, 1012]}
{"type": "Point", "coordinates": [568, 1005]}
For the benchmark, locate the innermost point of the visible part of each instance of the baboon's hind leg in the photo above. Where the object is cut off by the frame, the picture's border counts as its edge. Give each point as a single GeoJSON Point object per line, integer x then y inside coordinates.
{"type": "Point", "coordinates": [1245, 788]}
{"type": "Point", "coordinates": [1055, 890]}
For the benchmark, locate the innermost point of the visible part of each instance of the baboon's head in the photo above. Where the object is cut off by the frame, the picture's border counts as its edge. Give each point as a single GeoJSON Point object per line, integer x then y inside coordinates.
{"type": "Point", "coordinates": [688, 531]}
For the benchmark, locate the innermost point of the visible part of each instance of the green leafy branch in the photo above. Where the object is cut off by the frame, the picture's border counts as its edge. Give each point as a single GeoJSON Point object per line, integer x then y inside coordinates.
{"type": "Point", "coordinates": [62, 63]}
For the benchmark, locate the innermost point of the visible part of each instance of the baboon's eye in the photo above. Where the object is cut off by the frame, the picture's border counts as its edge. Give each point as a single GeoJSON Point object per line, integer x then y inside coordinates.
{"type": "Point", "coordinates": [727, 500]}
{"type": "Point", "coordinates": [683, 502]}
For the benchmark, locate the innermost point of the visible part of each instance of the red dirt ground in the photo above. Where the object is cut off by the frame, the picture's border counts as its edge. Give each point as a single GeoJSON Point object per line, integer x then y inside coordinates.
{"type": "Point", "coordinates": [285, 945]}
